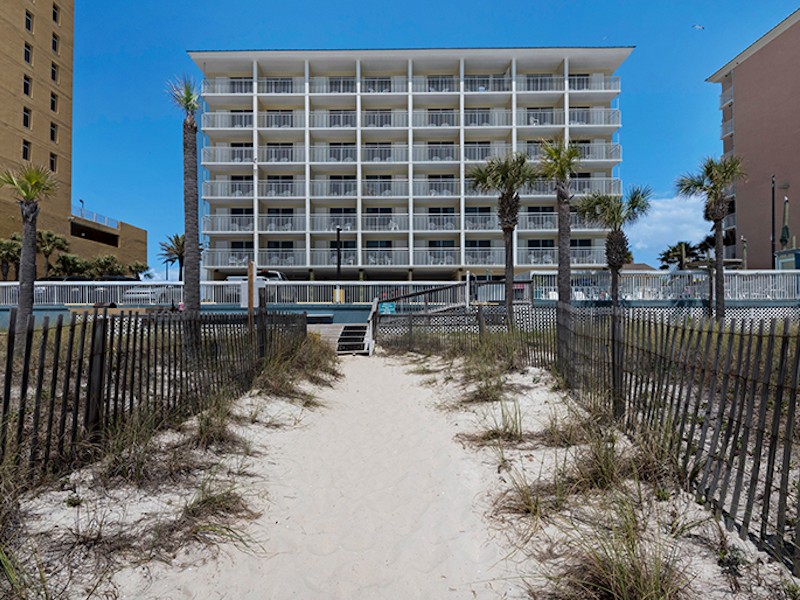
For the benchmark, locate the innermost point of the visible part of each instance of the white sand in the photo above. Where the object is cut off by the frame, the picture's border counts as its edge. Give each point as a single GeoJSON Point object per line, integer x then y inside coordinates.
{"type": "Point", "coordinates": [370, 498]}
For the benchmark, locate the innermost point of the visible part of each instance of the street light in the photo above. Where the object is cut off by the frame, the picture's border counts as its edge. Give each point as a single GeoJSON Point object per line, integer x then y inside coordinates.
{"type": "Point", "coordinates": [783, 186]}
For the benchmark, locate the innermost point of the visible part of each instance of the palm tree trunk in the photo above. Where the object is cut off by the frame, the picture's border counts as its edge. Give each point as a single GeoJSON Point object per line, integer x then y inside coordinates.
{"type": "Point", "coordinates": [27, 263]}
{"type": "Point", "coordinates": [563, 316]}
{"type": "Point", "coordinates": [46, 264]}
{"type": "Point", "coordinates": [508, 238]}
{"type": "Point", "coordinates": [614, 288]}
{"type": "Point", "coordinates": [719, 275]}
{"type": "Point", "coordinates": [191, 293]}
{"type": "Point", "coordinates": [5, 266]}
{"type": "Point", "coordinates": [180, 270]}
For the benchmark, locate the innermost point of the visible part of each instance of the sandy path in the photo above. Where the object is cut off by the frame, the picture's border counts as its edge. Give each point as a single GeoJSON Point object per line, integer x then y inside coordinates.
{"type": "Point", "coordinates": [370, 498]}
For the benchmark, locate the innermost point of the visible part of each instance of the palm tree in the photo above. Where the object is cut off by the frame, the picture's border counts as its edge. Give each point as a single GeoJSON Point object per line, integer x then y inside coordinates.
{"type": "Point", "coordinates": [174, 250]}
{"type": "Point", "coordinates": [107, 265]}
{"type": "Point", "coordinates": [713, 182]}
{"type": "Point", "coordinates": [614, 213]}
{"type": "Point", "coordinates": [31, 184]}
{"type": "Point", "coordinates": [558, 163]}
{"type": "Point", "coordinates": [506, 176]}
{"type": "Point", "coordinates": [679, 254]}
{"type": "Point", "coordinates": [9, 255]}
{"type": "Point", "coordinates": [139, 270]}
{"type": "Point", "coordinates": [71, 265]}
{"type": "Point", "coordinates": [184, 94]}
{"type": "Point", "coordinates": [48, 242]}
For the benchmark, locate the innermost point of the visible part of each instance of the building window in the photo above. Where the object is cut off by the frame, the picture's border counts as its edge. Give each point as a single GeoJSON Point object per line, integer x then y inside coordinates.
{"type": "Point", "coordinates": [28, 21]}
{"type": "Point", "coordinates": [26, 150]}
{"type": "Point", "coordinates": [53, 162]}
{"type": "Point", "coordinates": [55, 44]}
{"type": "Point", "coordinates": [53, 102]}
{"type": "Point", "coordinates": [26, 117]}
{"type": "Point", "coordinates": [54, 72]}
{"type": "Point", "coordinates": [56, 14]}
{"type": "Point", "coordinates": [53, 132]}
{"type": "Point", "coordinates": [26, 85]}
{"type": "Point", "coordinates": [28, 55]}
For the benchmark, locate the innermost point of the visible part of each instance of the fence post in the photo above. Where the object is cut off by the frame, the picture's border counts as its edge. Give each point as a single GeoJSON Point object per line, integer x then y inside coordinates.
{"type": "Point", "coordinates": [94, 410]}
{"type": "Point", "coordinates": [410, 333]}
{"type": "Point", "coordinates": [481, 323]}
{"type": "Point", "coordinates": [616, 365]}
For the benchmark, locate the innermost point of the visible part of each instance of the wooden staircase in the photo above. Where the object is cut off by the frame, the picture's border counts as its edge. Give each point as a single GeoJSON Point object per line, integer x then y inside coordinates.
{"type": "Point", "coordinates": [353, 340]}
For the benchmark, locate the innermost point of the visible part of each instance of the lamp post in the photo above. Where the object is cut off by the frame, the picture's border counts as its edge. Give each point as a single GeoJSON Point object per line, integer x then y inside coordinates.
{"type": "Point", "coordinates": [772, 229]}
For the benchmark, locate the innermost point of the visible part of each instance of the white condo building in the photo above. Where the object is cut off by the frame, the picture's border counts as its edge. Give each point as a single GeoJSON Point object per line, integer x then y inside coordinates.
{"type": "Point", "coordinates": [380, 144]}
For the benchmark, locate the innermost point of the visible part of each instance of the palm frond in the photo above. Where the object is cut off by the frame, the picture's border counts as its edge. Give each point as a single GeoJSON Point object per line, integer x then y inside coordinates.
{"type": "Point", "coordinates": [31, 183]}
{"type": "Point", "coordinates": [559, 160]}
{"type": "Point", "coordinates": [184, 94]}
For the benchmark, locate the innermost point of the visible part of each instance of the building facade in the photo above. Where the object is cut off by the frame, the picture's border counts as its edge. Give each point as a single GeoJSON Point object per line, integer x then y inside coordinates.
{"type": "Point", "coordinates": [36, 49]}
{"type": "Point", "coordinates": [761, 124]}
{"type": "Point", "coordinates": [380, 144]}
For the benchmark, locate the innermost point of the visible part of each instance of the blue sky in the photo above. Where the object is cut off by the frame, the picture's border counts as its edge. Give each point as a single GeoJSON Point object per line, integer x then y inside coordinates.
{"type": "Point", "coordinates": [127, 137]}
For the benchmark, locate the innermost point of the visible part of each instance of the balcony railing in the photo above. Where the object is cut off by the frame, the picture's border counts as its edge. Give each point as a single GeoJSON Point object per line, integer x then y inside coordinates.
{"type": "Point", "coordinates": [580, 83]}
{"type": "Point", "coordinates": [227, 258]}
{"type": "Point", "coordinates": [726, 97]}
{"type": "Point", "coordinates": [327, 257]}
{"type": "Point", "coordinates": [282, 258]}
{"type": "Point", "coordinates": [481, 152]}
{"type": "Point", "coordinates": [478, 83]}
{"type": "Point", "coordinates": [224, 154]}
{"type": "Point", "coordinates": [436, 222]}
{"type": "Point", "coordinates": [282, 188]}
{"type": "Point", "coordinates": [587, 256]}
{"type": "Point", "coordinates": [481, 222]}
{"type": "Point", "coordinates": [332, 85]}
{"type": "Point", "coordinates": [434, 83]}
{"type": "Point", "coordinates": [227, 189]}
{"type": "Point", "coordinates": [385, 257]}
{"type": "Point", "coordinates": [549, 222]}
{"type": "Point", "coordinates": [384, 85]}
{"type": "Point", "coordinates": [281, 85]}
{"type": "Point", "coordinates": [436, 153]}
{"type": "Point", "coordinates": [592, 116]}
{"type": "Point", "coordinates": [281, 154]}
{"type": "Point", "coordinates": [540, 83]}
{"type": "Point", "coordinates": [384, 118]}
{"type": "Point", "coordinates": [549, 256]}
{"type": "Point", "coordinates": [90, 215]}
{"type": "Point", "coordinates": [271, 223]}
{"type": "Point", "coordinates": [540, 117]}
{"type": "Point", "coordinates": [384, 153]}
{"type": "Point", "coordinates": [326, 187]}
{"type": "Point", "coordinates": [437, 256]}
{"type": "Point", "coordinates": [599, 151]}
{"type": "Point", "coordinates": [475, 117]}
{"type": "Point", "coordinates": [727, 128]}
{"type": "Point", "coordinates": [327, 222]}
{"type": "Point", "coordinates": [600, 185]}
{"type": "Point", "coordinates": [344, 118]}
{"type": "Point", "coordinates": [430, 187]}
{"type": "Point", "coordinates": [384, 222]}
{"type": "Point", "coordinates": [227, 223]}
{"type": "Point", "coordinates": [385, 187]}
{"type": "Point", "coordinates": [484, 256]}
{"type": "Point", "coordinates": [227, 120]}
{"type": "Point", "coordinates": [228, 85]}
{"type": "Point", "coordinates": [333, 153]}
{"type": "Point", "coordinates": [469, 190]}
{"type": "Point", "coordinates": [430, 118]}
{"type": "Point", "coordinates": [281, 120]}
{"type": "Point", "coordinates": [729, 221]}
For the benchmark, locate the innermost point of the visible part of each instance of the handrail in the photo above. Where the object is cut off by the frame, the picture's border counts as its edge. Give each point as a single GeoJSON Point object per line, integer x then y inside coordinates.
{"type": "Point", "coordinates": [420, 293]}
{"type": "Point", "coordinates": [372, 322]}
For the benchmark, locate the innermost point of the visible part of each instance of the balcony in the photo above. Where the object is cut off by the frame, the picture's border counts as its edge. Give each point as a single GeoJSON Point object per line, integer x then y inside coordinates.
{"type": "Point", "coordinates": [227, 258]}
{"type": "Point", "coordinates": [94, 217]}
{"type": "Point", "coordinates": [487, 83]}
{"type": "Point", "coordinates": [549, 222]}
{"type": "Point", "coordinates": [726, 97]}
{"type": "Point", "coordinates": [385, 257]}
{"type": "Point", "coordinates": [438, 257]}
{"type": "Point", "coordinates": [226, 155]}
{"type": "Point", "coordinates": [435, 83]}
{"type": "Point", "coordinates": [729, 222]}
{"type": "Point", "coordinates": [540, 117]}
{"type": "Point", "coordinates": [483, 152]}
{"type": "Point", "coordinates": [332, 85]}
{"type": "Point", "coordinates": [475, 117]}
{"type": "Point", "coordinates": [384, 118]}
{"type": "Point", "coordinates": [333, 154]}
{"type": "Point", "coordinates": [384, 85]}
{"type": "Point", "coordinates": [485, 256]}
{"type": "Point", "coordinates": [470, 190]}
{"type": "Point", "coordinates": [227, 85]}
{"type": "Point", "coordinates": [727, 128]}
{"type": "Point", "coordinates": [600, 151]}
{"type": "Point", "coordinates": [588, 117]}
{"type": "Point", "coordinates": [481, 222]}
{"type": "Point", "coordinates": [227, 189]}
{"type": "Point", "coordinates": [227, 120]}
{"type": "Point", "coordinates": [435, 118]}
{"type": "Point", "coordinates": [436, 222]}
{"type": "Point", "coordinates": [282, 223]}
{"type": "Point", "coordinates": [549, 256]}
{"type": "Point", "coordinates": [327, 257]}
{"type": "Point", "coordinates": [228, 223]}
{"type": "Point", "coordinates": [281, 154]}
{"type": "Point", "coordinates": [436, 187]}
{"type": "Point", "coordinates": [540, 83]}
{"type": "Point", "coordinates": [333, 119]}
{"type": "Point", "coordinates": [578, 186]}
{"type": "Point", "coordinates": [436, 153]}
{"type": "Point", "coordinates": [384, 222]}
{"type": "Point", "coordinates": [587, 256]}
{"type": "Point", "coordinates": [282, 258]}
{"type": "Point", "coordinates": [287, 189]}
{"type": "Point", "coordinates": [593, 83]}
{"type": "Point", "coordinates": [385, 187]}
{"type": "Point", "coordinates": [329, 222]}
{"type": "Point", "coordinates": [325, 187]}
{"type": "Point", "coordinates": [281, 85]}
{"type": "Point", "coordinates": [291, 119]}
{"type": "Point", "coordinates": [390, 153]}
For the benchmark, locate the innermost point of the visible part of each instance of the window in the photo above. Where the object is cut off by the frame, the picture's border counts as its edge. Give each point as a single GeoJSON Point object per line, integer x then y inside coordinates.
{"type": "Point", "coordinates": [56, 14]}
{"type": "Point", "coordinates": [541, 244]}
{"type": "Point", "coordinates": [53, 162]}
{"type": "Point", "coordinates": [53, 102]}
{"type": "Point", "coordinates": [26, 117]}
{"type": "Point", "coordinates": [28, 55]}
{"type": "Point", "coordinates": [477, 117]}
{"type": "Point", "coordinates": [55, 43]}
{"type": "Point", "coordinates": [54, 72]}
{"type": "Point", "coordinates": [477, 150]}
{"type": "Point", "coordinates": [28, 21]}
{"type": "Point", "coordinates": [26, 150]}
{"type": "Point", "coordinates": [53, 132]}
{"type": "Point", "coordinates": [26, 85]}
{"type": "Point", "coordinates": [378, 118]}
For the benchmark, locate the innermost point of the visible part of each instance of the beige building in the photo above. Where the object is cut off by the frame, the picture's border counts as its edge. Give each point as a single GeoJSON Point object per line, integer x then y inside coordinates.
{"type": "Point", "coordinates": [761, 124]}
{"type": "Point", "coordinates": [36, 48]}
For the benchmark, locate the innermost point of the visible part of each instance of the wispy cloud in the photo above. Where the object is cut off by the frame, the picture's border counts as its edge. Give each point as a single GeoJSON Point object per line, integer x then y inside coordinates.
{"type": "Point", "coordinates": [670, 220]}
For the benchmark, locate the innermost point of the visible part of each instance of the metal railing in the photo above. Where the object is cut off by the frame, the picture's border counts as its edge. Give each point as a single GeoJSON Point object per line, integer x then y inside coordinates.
{"type": "Point", "coordinates": [549, 256]}
{"type": "Point", "coordinates": [579, 83]}
{"type": "Point", "coordinates": [594, 116]}
{"type": "Point", "coordinates": [333, 119]}
{"type": "Point", "coordinates": [384, 118]}
{"type": "Point", "coordinates": [294, 189]}
{"type": "Point", "coordinates": [225, 154]}
{"type": "Point", "coordinates": [485, 256]}
{"type": "Point", "coordinates": [599, 151]}
{"type": "Point", "coordinates": [487, 83]}
{"type": "Point", "coordinates": [329, 153]}
{"type": "Point", "coordinates": [725, 97]}
{"type": "Point", "coordinates": [471, 190]}
{"type": "Point", "coordinates": [384, 222]}
{"type": "Point", "coordinates": [435, 118]}
{"type": "Point", "coordinates": [332, 85]}
{"type": "Point", "coordinates": [329, 222]}
{"type": "Point", "coordinates": [437, 222]}
{"type": "Point", "coordinates": [436, 153]}
{"type": "Point", "coordinates": [478, 117]}
{"type": "Point", "coordinates": [384, 85]}
{"type": "Point", "coordinates": [384, 153]}
{"type": "Point", "coordinates": [727, 128]}
{"type": "Point", "coordinates": [327, 257]}
{"type": "Point", "coordinates": [549, 222]}
{"type": "Point", "coordinates": [272, 223]}
{"type": "Point", "coordinates": [436, 187]}
{"type": "Point", "coordinates": [481, 152]}
{"type": "Point", "coordinates": [434, 83]}
{"type": "Point", "coordinates": [325, 187]}
{"type": "Point", "coordinates": [281, 119]}
{"type": "Point", "coordinates": [227, 258]}
{"type": "Point", "coordinates": [282, 258]}
{"type": "Point", "coordinates": [228, 223]}
{"type": "Point", "coordinates": [94, 217]}
{"type": "Point", "coordinates": [281, 85]}
{"type": "Point", "coordinates": [227, 85]}
{"type": "Point", "coordinates": [279, 154]}
{"type": "Point", "coordinates": [481, 222]}
{"type": "Point", "coordinates": [729, 221]}
{"type": "Point", "coordinates": [227, 189]}
{"type": "Point", "coordinates": [227, 120]}
{"type": "Point", "coordinates": [540, 83]}
{"type": "Point", "coordinates": [437, 256]}
{"type": "Point", "coordinates": [384, 187]}
{"type": "Point", "coordinates": [385, 257]}
{"type": "Point", "coordinates": [580, 186]}
{"type": "Point", "coordinates": [540, 117]}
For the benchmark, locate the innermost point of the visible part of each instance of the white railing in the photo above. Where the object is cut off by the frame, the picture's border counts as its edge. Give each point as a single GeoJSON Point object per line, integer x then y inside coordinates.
{"type": "Point", "coordinates": [540, 117]}
{"type": "Point", "coordinates": [471, 190]}
{"type": "Point", "coordinates": [435, 118]}
{"type": "Point", "coordinates": [580, 83]}
{"type": "Point", "coordinates": [94, 217]}
{"type": "Point", "coordinates": [540, 83]}
{"type": "Point", "coordinates": [281, 119]}
{"type": "Point", "coordinates": [481, 152]}
{"type": "Point", "coordinates": [227, 189]}
{"type": "Point", "coordinates": [226, 258]}
{"type": "Point", "coordinates": [436, 153]}
{"type": "Point", "coordinates": [385, 187]}
{"type": "Point", "coordinates": [227, 120]}
{"type": "Point", "coordinates": [481, 222]}
{"type": "Point", "coordinates": [329, 222]}
{"type": "Point", "coordinates": [281, 85]}
{"type": "Point", "coordinates": [727, 128]}
{"type": "Point", "coordinates": [384, 85]}
{"type": "Point", "coordinates": [282, 258]}
{"type": "Point", "coordinates": [729, 221]}
{"type": "Point", "coordinates": [725, 97]}
{"type": "Point", "coordinates": [490, 83]}
{"type": "Point", "coordinates": [325, 187]}
{"type": "Point", "coordinates": [384, 153]}
{"type": "Point", "coordinates": [327, 257]}
{"type": "Point", "coordinates": [477, 117]}
{"type": "Point", "coordinates": [587, 256]}
{"type": "Point", "coordinates": [594, 116]}
{"type": "Point", "coordinates": [281, 154]}
{"type": "Point", "coordinates": [384, 118]}
{"type": "Point", "coordinates": [292, 189]}
{"type": "Point", "coordinates": [227, 223]}
{"type": "Point", "coordinates": [333, 119]}
{"type": "Point", "coordinates": [485, 256]}
{"type": "Point", "coordinates": [549, 256]}
{"type": "Point", "coordinates": [599, 151]}
{"type": "Point", "coordinates": [282, 223]}
{"type": "Point", "coordinates": [437, 222]}
{"type": "Point", "coordinates": [434, 83]}
{"type": "Point", "coordinates": [328, 153]}
{"type": "Point", "coordinates": [549, 222]}
{"type": "Point", "coordinates": [384, 222]}
{"type": "Point", "coordinates": [437, 256]}
{"type": "Point", "coordinates": [436, 187]}
{"type": "Point", "coordinates": [227, 85]}
{"type": "Point", "coordinates": [385, 257]}
{"type": "Point", "coordinates": [225, 154]}
{"type": "Point", "coordinates": [332, 85]}
{"type": "Point", "coordinates": [579, 186]}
